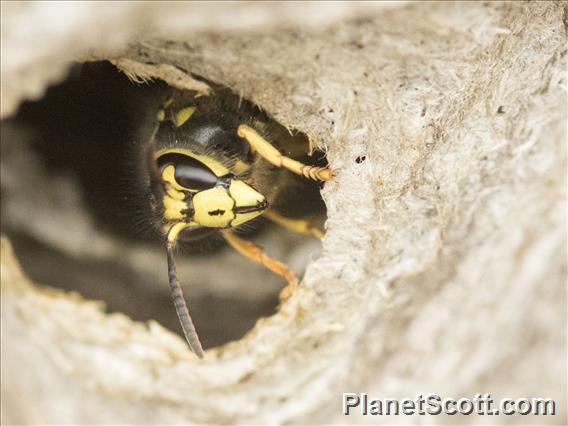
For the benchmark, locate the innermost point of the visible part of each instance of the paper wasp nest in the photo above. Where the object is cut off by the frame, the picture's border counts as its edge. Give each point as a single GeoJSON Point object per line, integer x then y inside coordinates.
{"type": "Point", "coordinates": [443, 268]}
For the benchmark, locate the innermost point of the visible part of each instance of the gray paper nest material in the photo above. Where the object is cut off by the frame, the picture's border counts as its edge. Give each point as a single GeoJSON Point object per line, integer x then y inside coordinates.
{"type": "Point", "coordinates": [444, 264]}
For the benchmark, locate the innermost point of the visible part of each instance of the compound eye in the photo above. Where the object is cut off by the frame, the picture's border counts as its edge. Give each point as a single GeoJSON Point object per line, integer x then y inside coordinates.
{"type": "Point", "coordinates": [189, 172]}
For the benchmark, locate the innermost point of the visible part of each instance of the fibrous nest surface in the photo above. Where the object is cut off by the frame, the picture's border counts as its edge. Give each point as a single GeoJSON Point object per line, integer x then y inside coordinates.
{"type": "Point", "coordinates": [444, 264]}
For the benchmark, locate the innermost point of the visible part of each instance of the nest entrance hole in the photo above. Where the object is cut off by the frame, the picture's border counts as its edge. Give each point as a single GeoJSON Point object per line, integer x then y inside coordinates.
{"type": "Point", "coordinates": [82, 130]}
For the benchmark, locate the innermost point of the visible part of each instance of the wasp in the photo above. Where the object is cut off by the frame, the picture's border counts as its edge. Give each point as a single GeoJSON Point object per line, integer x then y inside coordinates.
{"type": "Point", "coordinates": [214, 165]}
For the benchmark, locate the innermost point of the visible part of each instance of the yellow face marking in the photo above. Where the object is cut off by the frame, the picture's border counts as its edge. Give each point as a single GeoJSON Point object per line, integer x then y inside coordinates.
{"type": "Point", "coordinates": [214, 165]}
{"type": "Point", "coordinates": [173, 208]}
{"type": "Point", "coordinates": [168, 174]}
{"type": "Point", "coordinates": [173, 231]}
{"type": "Point", "coordinates": [161, 115]}
{"type": "Point", "coordinates": [245, 195]}
{"type": "Point", "coordinates": [183, 115]}
{"type": "Point", "coordinates": [213, 208]}
{"type": "Point", "coordinates": [175, 194]}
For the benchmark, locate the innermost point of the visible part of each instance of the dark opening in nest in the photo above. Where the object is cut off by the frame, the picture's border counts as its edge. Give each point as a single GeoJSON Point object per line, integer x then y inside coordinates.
{"type": "Point", "coordinates": [70, 153]}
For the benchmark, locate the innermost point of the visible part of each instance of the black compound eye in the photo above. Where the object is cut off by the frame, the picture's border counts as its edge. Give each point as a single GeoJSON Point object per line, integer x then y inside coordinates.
{"type": "Point", "coordinates": [189, 172]}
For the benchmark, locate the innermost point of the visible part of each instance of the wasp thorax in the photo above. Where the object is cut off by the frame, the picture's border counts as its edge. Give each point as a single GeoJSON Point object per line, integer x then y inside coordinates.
{"type": "Point", "coordinates": [201, 192]}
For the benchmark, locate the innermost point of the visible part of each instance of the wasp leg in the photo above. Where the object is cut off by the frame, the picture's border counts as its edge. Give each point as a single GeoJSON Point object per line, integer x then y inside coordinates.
{"type": "Point", "coordinates": [301, 226]}
{"type": "Point", "coordinates": [256, 254]}
{"type": "Point", "coordinates": [273, 156]}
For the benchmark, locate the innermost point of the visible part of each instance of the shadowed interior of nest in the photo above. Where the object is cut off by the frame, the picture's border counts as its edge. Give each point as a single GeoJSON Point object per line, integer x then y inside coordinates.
{"type": "Point", "coordinates": [82, 130]}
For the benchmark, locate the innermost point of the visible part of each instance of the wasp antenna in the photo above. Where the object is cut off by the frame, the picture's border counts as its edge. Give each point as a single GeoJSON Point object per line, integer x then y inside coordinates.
{"type": "Point", "coordinates": [273, 156]}
{"type": "Point", "coordinates": [181, 307]}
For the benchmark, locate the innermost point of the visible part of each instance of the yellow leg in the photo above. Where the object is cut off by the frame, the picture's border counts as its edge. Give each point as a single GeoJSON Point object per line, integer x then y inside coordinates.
{"type": "Point", "coordinates": [273, 156]}
{"type": "Point", "coordinates": [297, 225]}
{"type": "Point", "coordinates": [256, 254]}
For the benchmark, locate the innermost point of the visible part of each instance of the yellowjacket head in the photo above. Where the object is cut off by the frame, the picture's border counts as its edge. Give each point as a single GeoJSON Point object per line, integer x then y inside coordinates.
{"type": "Point", "coordinates": [200, 192]}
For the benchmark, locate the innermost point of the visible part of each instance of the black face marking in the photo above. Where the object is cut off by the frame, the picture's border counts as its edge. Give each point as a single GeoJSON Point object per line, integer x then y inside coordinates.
{"type": "Point", "coordinates": [217, 212]}
{"type": "Point", "coordinates": [190, 211]}
{"type": "Point", "coordinates": [261, 205]}
{"type": "Point", "coordinates": [225, 180]}
{"type": "Point", "coordinates": [189, 172]}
